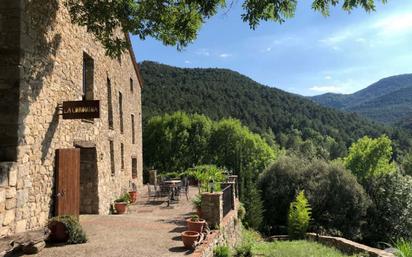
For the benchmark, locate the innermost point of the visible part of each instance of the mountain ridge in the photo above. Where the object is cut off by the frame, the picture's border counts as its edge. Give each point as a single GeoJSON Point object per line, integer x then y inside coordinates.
{"type": "Point", "coordinates": [388, 100]}
{"type": "Point", "coordinates": [222, 93]}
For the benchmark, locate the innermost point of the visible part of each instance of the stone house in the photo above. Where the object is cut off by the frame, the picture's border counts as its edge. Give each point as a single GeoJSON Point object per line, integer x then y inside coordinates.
{"type": "Point", "coordinates": [50, 165]}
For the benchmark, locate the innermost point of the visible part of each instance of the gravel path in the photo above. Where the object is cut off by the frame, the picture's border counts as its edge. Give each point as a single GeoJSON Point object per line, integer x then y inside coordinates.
{"type": "Point", "coordinates": [148, 230]}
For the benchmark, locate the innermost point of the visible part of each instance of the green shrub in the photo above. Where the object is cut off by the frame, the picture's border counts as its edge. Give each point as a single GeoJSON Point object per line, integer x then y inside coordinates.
{"type": "Point", "coordinates": [403, 248]}
{"type": "Point", "coordinates": [243, 250]}
{"type": "Point", "coordinates": [197, 201]}
{"type": "Point", "coordinates": [241, 212]}
{"type": "Point", "coordinates": [222, 251]}
{"type": "Point", "coordinates": [74, 229]}
{"type": "Point", "coordinates": [125, 198]}
{"type": "Point", "coordinates": [339, 203]}
{"type": "Point", "coordinates": [390, 216]}
{"type": "Point", "coordinates": [299, 217]}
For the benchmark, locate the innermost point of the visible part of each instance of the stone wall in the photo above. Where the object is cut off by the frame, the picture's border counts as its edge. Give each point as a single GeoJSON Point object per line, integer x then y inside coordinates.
{"type": "Point", "coordinates": [50, 72]}
{"type": "Point", "coordinates": [348, 246]}
{"type": "Point", "coordinates": [229, 234]}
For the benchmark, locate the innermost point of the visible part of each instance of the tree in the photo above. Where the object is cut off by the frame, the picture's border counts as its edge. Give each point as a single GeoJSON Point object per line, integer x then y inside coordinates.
{"type": "Point", "coordinates": [299, 216]}
{"type": "Point", "coordinates": [332, 191]}
{"type": "Point", "coordinates": [406, 164]}
{"type": "Point", "coordinates": [370, 157]}
{"type": "Point", "coordinates": [177, 22]}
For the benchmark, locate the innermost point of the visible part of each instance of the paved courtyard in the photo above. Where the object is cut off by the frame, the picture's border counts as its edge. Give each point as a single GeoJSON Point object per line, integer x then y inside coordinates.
{"type": "Point", "coordinates": [150, 229]}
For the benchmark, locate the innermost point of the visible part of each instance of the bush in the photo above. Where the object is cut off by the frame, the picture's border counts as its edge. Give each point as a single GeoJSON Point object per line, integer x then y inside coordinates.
{"type": "Point", "coordinates": [241, 212]}
{"type": "Point", "coordinates": [390, 216]}
{"type": "Point", "coordinates": [74, 229]}
{"type": "Point", "coordinates": [339, 203]}
{"type": "Point", "coordinates": [299, 217]}
{"type": "Point", "coordinates": [222, 251]}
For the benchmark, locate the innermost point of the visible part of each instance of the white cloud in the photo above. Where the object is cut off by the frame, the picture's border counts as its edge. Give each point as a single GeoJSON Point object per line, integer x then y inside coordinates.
{"type": "Point", "coordinates": [203, 52]}
{"type": "Point", "coordinates": [224, 55]}
{"type": "Point", "coordinates": [327, 89]}
{"type": "Point", "coordinates": [187, 62]}
{"type": "Point", "coordinates": [395, 24]}
{"type": "Point", "coordinates": [327, 77]}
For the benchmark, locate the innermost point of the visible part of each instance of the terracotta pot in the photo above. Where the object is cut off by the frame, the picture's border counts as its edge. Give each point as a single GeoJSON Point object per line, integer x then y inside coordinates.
{"type": "Point", "coordinates": [189, 238]}
{"type": "Point", "coordinates": [121, 208]}
{"type": "Point", "coordinates": [195, 225]}
{"type": "Point", "coordinates": [58, 232]}
{"type": "Point", "coordinates": [133, 196]}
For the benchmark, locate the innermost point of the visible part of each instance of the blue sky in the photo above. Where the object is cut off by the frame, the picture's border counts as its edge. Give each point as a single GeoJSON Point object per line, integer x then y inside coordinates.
{"type": "Point", "coordinates": [309, 54]}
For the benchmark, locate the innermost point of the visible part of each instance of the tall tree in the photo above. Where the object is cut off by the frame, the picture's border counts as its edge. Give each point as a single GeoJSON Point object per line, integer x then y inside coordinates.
{"type": "Point", "coordinates": [177, 22]}
{"type": "Point", "coordinates": [370, 157]}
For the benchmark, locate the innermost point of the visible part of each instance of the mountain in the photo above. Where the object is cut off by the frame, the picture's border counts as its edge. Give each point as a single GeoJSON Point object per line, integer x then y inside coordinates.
{"type": "Point", "coordinates": [220, 93]}
{"type": "Point", "coordinates": [388, 101]}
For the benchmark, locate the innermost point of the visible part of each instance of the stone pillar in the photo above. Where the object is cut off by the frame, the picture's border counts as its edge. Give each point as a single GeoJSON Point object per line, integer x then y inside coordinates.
{"type": "Point", "coordinates": [212, 208]}
{"type": "Point", "coordinates": [152, 177]}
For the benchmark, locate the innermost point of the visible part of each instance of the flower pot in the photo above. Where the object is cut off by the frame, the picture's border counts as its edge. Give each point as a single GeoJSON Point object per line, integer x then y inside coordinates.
{"type": "Point", "coordinates": [121, 207]}
{"type": "Point", "coordinates": [189, 238]}
{"type": "Point", "coordinates": [58, 232]}
{"type": "Point", "coordinates": [195, 225]}
{"type": "Point", "coordinates": [133, 196]}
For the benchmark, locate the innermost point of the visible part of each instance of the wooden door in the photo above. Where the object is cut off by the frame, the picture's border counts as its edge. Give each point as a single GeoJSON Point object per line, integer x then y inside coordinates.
{"type": "Point", "coordinates": [67, 182]}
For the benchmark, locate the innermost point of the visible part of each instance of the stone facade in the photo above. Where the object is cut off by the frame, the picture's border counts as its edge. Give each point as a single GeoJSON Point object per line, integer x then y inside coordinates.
{"type": "Point", "coordinates": [43, 66]}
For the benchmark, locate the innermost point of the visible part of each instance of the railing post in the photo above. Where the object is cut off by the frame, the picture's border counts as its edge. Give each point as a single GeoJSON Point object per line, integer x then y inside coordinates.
{"type": "Point", "coordinates": [212, 208]}
{"type": "Point", "coordinates": [234, 178]}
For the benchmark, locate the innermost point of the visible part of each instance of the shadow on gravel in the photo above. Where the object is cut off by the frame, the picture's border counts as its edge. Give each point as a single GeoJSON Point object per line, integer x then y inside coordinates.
{"type": "Point", "coordinates": [180, 249]}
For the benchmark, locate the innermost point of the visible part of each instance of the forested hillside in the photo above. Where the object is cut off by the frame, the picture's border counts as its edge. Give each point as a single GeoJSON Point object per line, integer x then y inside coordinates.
{"type": "Point", "coordinates": [289, 119]}
{"type": "Point", "coordinates": [388, 100]}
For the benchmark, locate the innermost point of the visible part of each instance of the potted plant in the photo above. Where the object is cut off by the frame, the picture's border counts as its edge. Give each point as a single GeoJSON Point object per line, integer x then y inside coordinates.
{"type": "Point", "coordinates": [133, 193]}
{"type": "Point", "coordinates": [197, 203]}
{"type": "Point", "coordinates": [195, 224]}
{"type": "Point", "coordinates": [189, 238]}
{"type": "Point", "coordinates": [121, 203]}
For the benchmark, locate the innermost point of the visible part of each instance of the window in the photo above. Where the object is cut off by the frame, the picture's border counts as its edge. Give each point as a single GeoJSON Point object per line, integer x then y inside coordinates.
{"type": "Point", "coordinates": [131, 85]}
{"type": "Point", "coordinates": [88, 77]}
{"type": "Point", "coordinates": [133, 130]}
{"type": "Point", "coordinates": [134, 167]}
{"type": "Point", "coordinates": [122, 155]}
{"type": "Point", "coordinates": [109, 103]}
{"type": "Point", "coordinates": [112, 167]}
{"type": "Point", "coordinates": [121, 111]}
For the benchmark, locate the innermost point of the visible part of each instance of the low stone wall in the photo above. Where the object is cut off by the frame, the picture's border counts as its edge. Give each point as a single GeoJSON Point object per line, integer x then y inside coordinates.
{"type": "Point", "coordinates": [348, 246]}
{"type": "Point", "coordinates": [228, 234]}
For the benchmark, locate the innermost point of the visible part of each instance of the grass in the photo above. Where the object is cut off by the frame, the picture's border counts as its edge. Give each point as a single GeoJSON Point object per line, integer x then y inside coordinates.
{"type": "Point", "coordinates": [404, 248]}
{"type": "Point", "coordinates": [299, 248]}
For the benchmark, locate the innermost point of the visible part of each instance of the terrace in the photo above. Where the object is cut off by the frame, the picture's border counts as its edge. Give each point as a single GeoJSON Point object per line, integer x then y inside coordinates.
{"type": "Point", "coordinates": [152, 227]}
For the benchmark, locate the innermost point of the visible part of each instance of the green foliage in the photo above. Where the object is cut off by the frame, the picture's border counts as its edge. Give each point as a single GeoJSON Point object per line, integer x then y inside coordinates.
{"type": "Point", "coordinates": [197, 201]}
{"type": "Point", "coordinates": [333, 193]}
{"type": "Point", "coordinates": [194, 218]}
{"type": "Point", "coordinates": [370, 157]}
{"type": "Point", "coordinates": [176, 142]}
{"type": "Point", "coordinates": [222, 251]}
{"type": "Point", "coordinates": [124, 198]}
{"type": "Point", "coordinates": [179, 141]}
{"type": "Point", "coordinates": [74, 229]}
{"type": "Point", "coordinates": [205, 174]}
{"type": "Point", "coordinates": [288, 119]}
{"type": "Point", "coordinates": [406, 164]}
{"type": "Point", "coordinates": [176, 22]}
{"type": "Point", "coordinates": [241, 211]}
{"type": "Point", "coordinates": [390, 216]}
{"type": "Point", "coordinates": [403, 248]}
{"type": "Point", "coordinates": [299, 217]}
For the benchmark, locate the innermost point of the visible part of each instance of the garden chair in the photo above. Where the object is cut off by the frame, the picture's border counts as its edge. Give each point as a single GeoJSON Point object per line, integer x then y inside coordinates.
{"type": "Point", "coordinates": [184, 187]}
